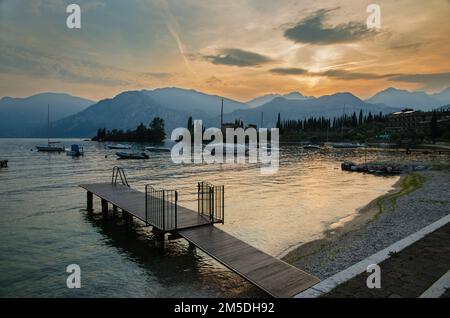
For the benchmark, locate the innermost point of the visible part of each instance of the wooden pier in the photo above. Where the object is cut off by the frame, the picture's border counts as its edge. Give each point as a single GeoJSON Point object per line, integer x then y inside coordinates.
{"type": "Point", "coordinates": [160, 209]}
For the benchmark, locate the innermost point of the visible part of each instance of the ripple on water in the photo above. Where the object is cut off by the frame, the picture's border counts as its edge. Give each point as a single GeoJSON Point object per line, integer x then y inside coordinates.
{"type": "Point", "coordinates": [42, 229]}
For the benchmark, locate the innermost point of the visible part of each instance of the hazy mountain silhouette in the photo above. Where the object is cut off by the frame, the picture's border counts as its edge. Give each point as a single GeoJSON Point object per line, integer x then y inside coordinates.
{"type": "Point", "coordinates": [28, 116]}
{"type": "Point", "coordinates": [328, 106]}
{"type": "Point", "coordinates": [261, 100]}
{"type": "Point", "coordinates": [189, 100]}
{"type": "Point", "coordinates": [23, 117]}
{"type": "Point", "coordinates": [443, 97]}
{"type": "Point", "coordinates": [125, 111]}
{"type": "Point", "coordinates": [405, 99]}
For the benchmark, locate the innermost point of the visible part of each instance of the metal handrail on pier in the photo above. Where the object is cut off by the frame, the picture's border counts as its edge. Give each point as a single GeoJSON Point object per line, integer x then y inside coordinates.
{"type": "Point", "coordinates": [119, 172]}
{"type": "Point", "coordinates": [161, 208]}
{"type": "Point", "coordinates": [211, 201]}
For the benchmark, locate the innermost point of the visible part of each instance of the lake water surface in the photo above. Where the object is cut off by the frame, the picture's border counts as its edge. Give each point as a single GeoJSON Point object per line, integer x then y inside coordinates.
{"type": "Point", "coordinates": [44, 227]}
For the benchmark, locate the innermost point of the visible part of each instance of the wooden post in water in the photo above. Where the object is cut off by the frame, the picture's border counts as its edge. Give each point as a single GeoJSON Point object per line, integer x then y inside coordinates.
{"type": "Point", "coordinates": [191, 248]}
{"type": "Point", "coordinates": [89, 200]}
{"type": "Point", "coordinates": [104, 207]}
{"type": "Point", "coordinates": [127, 218]}
{"type": "Point", "coordinates": [159, 238]}
{"type": "Point", "coordinates": [114, 208]}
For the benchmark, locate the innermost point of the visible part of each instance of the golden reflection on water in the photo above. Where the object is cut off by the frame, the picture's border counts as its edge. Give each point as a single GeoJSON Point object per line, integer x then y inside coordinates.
{"type": "Point", "coordinates": [43, 226]}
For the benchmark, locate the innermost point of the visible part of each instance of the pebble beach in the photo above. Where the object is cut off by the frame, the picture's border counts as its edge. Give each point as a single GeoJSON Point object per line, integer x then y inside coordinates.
{"type": "Point", "coordinates": [417, 200]}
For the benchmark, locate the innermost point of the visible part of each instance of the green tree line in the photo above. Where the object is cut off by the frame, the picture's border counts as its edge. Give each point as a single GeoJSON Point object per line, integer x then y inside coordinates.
{"type": "Point", "coordinates": [153, 133]}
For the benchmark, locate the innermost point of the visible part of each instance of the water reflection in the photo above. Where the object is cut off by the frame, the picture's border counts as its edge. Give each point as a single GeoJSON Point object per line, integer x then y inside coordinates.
{"type": "Point", "coordinates": [176, 265]}
{"type": "Point", "coordinates": [42, 230]}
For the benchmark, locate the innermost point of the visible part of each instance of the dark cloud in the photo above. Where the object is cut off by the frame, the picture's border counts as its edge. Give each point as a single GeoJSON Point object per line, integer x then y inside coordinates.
{"type": "Point", "coordinates": [346, 75]}
{"type": "Point", "coordinates": [288, 71]}
{"type": "Point", "coordinates": [312, 30]}
{"type": "Point", "coordinates": [237, 57]}
{"type": "Point", "coordinates": [429, 81]}
{"type": "Point", "coordinates": [336, 74]}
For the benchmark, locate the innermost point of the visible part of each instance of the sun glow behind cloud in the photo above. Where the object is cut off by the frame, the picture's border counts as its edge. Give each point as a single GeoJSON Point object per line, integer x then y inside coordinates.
{"type": "Point", "coordinates": [239, 49]}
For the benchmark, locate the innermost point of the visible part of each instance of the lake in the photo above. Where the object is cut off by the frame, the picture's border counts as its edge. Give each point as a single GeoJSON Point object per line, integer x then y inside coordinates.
{"type": "Point", "coordinates": [44, 226]}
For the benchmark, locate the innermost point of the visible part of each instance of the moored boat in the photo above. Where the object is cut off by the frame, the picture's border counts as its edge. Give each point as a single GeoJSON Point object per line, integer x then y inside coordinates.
{"type": "Point", "coordinates": [75, 151]}
{"type": "Point", "coordinates": [119, 146]}
{"type": "Point", "coordinates": [128, 155]}
{"type": "Point", "coordinates": [311, 147]}
{"type": "Point", "coordinates": [347, 145]}
{"type": "Point", "coordinates": [51, 147]}
{"type": "Point", "coordinates": [158, 149]}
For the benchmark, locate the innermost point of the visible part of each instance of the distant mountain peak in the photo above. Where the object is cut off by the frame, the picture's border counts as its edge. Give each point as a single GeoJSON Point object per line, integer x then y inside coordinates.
{"type": "Point", "coordinates": [261, 100]}
{"type": "Point", "coordinates": [402, 98]}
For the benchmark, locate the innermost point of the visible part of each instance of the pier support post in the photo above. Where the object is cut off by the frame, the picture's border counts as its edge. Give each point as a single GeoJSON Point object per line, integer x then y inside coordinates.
{"type": "Point", "coordinates": [114, 208]}
{"type": "Point", "coordinates": [89, 202]}
{"type": "Point", "coordinates": [159, 238]}
{"type": "Point", "coordinates": [191, 248]}
{"type": "Point", "coordinates": [127, 218]}
{"type": "Point", "coordinates": [104, 207]}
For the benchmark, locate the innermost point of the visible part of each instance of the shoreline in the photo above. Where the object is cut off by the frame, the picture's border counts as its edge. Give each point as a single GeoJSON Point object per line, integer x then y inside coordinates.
{"type": "Point", "coordinates": [417, 200]}
{"type": "Point", "coordinates": [363, 216]}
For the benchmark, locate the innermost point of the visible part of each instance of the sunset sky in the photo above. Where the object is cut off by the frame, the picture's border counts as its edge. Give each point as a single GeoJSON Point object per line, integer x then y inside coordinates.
{"type": "Point", "coordinates": [240, 48]}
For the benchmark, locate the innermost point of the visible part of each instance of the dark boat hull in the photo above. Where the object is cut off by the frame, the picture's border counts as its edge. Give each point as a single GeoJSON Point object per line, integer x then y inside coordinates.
{"type": "Point", "coordinates": [49, 149]}
{"type": "Point", "coordinates": [123, 155]}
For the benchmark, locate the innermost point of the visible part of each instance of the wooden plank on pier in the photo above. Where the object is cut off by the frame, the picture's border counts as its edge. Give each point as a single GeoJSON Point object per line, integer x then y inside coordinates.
{"type": "Point", "coordinates": [133, 201]}
{"type": "Point", "coordinates": [277, 278]}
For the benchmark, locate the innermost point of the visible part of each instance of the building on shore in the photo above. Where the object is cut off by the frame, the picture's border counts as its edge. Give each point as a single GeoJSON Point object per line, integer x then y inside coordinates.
{"type": "Point", "coordinates": [408, 119]}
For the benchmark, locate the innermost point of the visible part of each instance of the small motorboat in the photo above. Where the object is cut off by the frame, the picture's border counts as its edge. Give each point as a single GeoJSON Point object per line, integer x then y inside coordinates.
{"type": "Point", "coordinates": [136, 155]}
{"type": "Point", "coordinates": [119, 146]}
{"type": "Point", "coordinates": [311, 147]}
{"type": "Point", "coordinates": [75, 151]}
{"type": "Point", "coordinates": [158, 149]}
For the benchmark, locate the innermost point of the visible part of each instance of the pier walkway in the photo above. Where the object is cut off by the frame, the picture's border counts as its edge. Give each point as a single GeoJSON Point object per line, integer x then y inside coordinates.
{"type": "Point", "coordinates": [160, 209]}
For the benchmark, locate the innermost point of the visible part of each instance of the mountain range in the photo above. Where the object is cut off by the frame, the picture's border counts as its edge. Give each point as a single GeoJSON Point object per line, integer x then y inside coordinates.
{"type": "Point", "coordinates": [24, 117]}
{"type": "Point", "coordinates": [261, 100]}
{"type": "Point", "coordinates": [405, 99]}
{"type": "Point", "coordinates": [77, 117]}
{"type": "Point", "coordinates": [328, 106]}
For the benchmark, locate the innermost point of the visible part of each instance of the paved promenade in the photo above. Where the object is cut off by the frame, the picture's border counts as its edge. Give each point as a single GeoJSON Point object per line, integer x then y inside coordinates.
{"type": "Point", "coordinates": [408, 273]}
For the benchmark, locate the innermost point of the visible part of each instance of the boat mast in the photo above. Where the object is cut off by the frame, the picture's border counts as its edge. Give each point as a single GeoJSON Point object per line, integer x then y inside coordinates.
{"type": "Point", "coordinates": [221, 116]}
{"type": "Point", "coordinates": [48, 124]}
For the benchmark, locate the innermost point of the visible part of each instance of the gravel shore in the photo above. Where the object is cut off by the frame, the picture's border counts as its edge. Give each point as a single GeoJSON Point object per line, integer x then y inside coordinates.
{"type": "Point", "coordinates": [401, 215]}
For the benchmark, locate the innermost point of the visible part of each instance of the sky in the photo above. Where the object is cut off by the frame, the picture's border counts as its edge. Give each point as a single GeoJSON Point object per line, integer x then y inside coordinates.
{"type": "Point", "coordinates": [240, 49]}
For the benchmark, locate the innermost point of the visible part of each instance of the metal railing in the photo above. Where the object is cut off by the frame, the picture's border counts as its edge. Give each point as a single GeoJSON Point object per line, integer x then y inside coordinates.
{"type": "Point", "coordinates": [118, 172]}
{"type": "Point", "coordinates": [211, 201]}
{"type": "Point", "coordinates": [161, 208]}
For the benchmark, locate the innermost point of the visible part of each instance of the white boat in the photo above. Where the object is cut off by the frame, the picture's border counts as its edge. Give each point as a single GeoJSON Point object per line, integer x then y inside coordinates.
{"type": "Point", "coordinates": [51, 146]}
{"type": "Point", "coordinates": [158, 149]}
{"type": "Point", "coordinates": [75, 151]}
{"type": "Point", "coordinates": [119, 146]}
{"type": "Point", "coordinates": [311, 147]}
{"type": "Point", "coordinates": [347, 145]}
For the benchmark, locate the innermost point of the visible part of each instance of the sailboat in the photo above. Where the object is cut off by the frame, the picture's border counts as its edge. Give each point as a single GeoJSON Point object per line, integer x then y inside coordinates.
{"type": "Point", "coordinates": [51, 146]}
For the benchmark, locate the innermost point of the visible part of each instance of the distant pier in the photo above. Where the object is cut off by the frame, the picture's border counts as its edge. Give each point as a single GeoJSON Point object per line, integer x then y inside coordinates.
{"type": "Point", "coordinates": [160, 209]}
